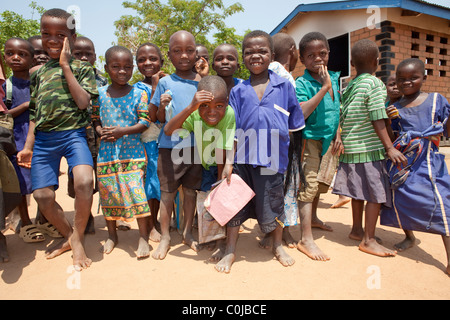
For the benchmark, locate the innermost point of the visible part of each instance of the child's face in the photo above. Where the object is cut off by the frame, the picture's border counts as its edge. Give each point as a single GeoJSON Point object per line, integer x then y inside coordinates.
{"type": "Point", "coordinates": [148, 61]}
{"type": "Point", "coordinates": [202, 52]}
{"type": "Point", "coordinates": [257, 55]}
{"type": "Point", "coordinates": [120, 68]}
{"type": "Point", "coordinates": [183, 52]}
{"type": "Point", "coordinates": [18, 56]}
{"type": "Point", "coordinates": [84, 51]}
{"type": "Point", "coordinates": [54, 31]}
{"type": "Point", "coordinates": [410, 79]}
{"type": "Point", "coordinates": [40, 56]}
{"type": "Point", "coordinates": [315, 55]}
{"type": "Point", "coordinates": [392, 90]}
{"type": "Point", "coordinates": [225, 61]}
{"type": "Point", "coordinates": [213, 112]}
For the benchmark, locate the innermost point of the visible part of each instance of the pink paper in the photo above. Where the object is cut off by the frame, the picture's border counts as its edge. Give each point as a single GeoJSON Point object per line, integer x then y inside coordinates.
{"type": "Point", "coordinates": [225, 201]}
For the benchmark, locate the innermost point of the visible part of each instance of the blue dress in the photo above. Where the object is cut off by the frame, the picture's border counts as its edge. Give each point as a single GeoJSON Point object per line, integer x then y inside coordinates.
{"type": "Point", "coordinates": [421, 192]}
{"type": "Point", "coordinates": [121, 165]}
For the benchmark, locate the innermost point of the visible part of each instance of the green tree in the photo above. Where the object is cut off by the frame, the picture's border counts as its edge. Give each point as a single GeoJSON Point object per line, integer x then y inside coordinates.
{"type": "Point", "coordinates": [155, 22]}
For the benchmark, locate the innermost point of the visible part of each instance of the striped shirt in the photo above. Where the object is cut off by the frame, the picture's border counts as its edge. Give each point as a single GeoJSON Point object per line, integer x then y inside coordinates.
{"type": "Point", "coordinates": [363, 102]}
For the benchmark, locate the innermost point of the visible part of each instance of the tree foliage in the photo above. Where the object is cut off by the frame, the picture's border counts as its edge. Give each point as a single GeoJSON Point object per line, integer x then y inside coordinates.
{"type": "Point", "coordinates": [155, 22]}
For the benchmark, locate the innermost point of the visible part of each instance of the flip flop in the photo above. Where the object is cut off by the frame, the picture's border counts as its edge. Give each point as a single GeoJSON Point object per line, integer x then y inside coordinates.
{"type": "Point", "coordinates": [31, 234]}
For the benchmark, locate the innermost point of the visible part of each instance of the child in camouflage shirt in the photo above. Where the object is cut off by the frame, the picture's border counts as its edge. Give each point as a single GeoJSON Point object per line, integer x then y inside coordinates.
{"type": "Point", "coordinates": [61, 92]}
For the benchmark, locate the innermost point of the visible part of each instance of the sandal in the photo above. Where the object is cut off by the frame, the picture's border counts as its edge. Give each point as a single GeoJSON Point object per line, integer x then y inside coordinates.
{"type": "Point", "coordinates": [31, 234]}
{"type": "Point", "coordinates": [49, 229]}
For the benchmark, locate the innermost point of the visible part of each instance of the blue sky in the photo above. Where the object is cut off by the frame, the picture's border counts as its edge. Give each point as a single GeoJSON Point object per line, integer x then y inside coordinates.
{"type": "Point", "coordinates": [97, 16]}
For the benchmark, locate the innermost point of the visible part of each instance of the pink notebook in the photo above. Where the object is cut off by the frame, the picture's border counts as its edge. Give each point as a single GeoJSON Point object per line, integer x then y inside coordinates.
{"type": "Point", "coordinates": [225, 201]}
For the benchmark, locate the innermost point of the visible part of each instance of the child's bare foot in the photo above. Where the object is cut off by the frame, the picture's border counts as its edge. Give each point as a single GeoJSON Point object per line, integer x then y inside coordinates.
{"type": "Point", "coordinates": [143, 250]}
{"type": "Point", "coordinates": [407, 243]}
{"type": "Point", "coordinates": [281, 255]}
{"type": "Point", "coordinates": [109, 246]}
{"type": "Point", "coordinates": [80, 260]}
{"type": "Point", "coordinates": [155, 236]}
{"type": "Point", "coordinates": [218, 254]}
{"type": "Point", "coordinates": [342, 201]}
{"type": "Point", "coordinates": [210, 246]}
{"type": "Point", "coordinates": [266, 242]}
{"type": "Point", "coordinates": [4, 256]}
{"type": "Point", "coordinates": [316, 223]}
{"type": "Point", "coordinates": [224, 265]}
{"type": "Point", "coordinates": [191, 242]}
{"type": "Point", "coordinates": [312, 250]}
{"type": "Point", "coordinates": [162, 250]}
{"type": "Point", "coordinates": [371, 246]}
{"type": "Point", "coordinates": [57, 249]}
{"type": "Point", "coordinates": [287, 237]}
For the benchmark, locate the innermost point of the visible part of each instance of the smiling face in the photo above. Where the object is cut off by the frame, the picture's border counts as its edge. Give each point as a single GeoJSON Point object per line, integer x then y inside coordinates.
{"type": "Point", "coordinates": [120, 68]}
{"type": "Point", "coordinates": [315, 55]}
{"type": "Point", "coordinates": [40, 56]}
{"type": "Point", "coordinates": [225, 61]}
{"type": "Point", "coordinates": [182, 51]}
{"type": "Point", "coordinates": [148, 61]}
{"type": "Point", "coordinates": [17, 55]}
{"type": "Point", "coordinates": [54, 31]}
{"type": "Point", "coordinates": [213, 112]}
{"type": "Point", "coordinates": [257, 55]}
{"type": "Point", "coordinates": [410, 79]}
{"type": "Point", "coordinates": [84, 51]}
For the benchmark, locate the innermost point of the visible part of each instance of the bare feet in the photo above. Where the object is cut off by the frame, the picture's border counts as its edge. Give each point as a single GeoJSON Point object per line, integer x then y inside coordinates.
{"type": "Point", "coordinates": [342, 201]}
{"type": "Point", "coordinates": [287, 237]}
{"type": "Point", "coordinates": [224, 265]}
{"type": "Point", "coordinates": [191, 242]}
{"type": "Point", "coordinates": [266, 242]}
{"type": "Point", "coordinates": [281, 255]}
{"type": "Point", "coordinates": [316, 223]}
{"type": "Point", "coordinates": [155, 236]}
{"type": "Point", "coordinates": [80, 260]}
{"type": "Point", "coordinates": [371, 246]}
{"type": "Point", "coordinates": [312, 250]}
{"type": "Point", "coordinates": [4, 256]}
{"type": "Point", "coordinates": [219, 253]}
{"type": "Point", "coordinates": [57, 249]}
{"type": "Point", "coordinates": [143, 251]}
{"type": "Point", "coordinates": [405, 244]}
{"type": "Point", "coordinates": [162, 250]}
{"type": "Point", "coordinates": [109, 245]}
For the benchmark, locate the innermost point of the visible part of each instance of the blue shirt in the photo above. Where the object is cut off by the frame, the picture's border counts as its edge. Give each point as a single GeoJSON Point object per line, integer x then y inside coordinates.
{"type": "Point", "coordinates": [183, 91]}
{"type": "Point", "coordinates": [262, 127]}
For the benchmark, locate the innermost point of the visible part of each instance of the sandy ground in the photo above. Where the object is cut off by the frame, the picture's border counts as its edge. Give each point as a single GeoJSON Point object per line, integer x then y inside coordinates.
{"type": "Point", "coordinates": [350, 274]}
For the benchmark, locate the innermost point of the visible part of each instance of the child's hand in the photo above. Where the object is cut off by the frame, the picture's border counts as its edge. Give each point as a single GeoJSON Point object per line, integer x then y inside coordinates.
{"type": "Point", "coordinates": [392, 112]}
{"type": "Point", "coordinates": [66, 54]}
{"type": "Point", "coordinates": [24, 158]}
{"type": "Point", "coordinates": [112, 134]}
{"type": "Point", "coordinates": [201, 97]}
{"type": "Point", "coordinates": [156, 77]}
{"type": "Point", "coordinates": [165, 100]}
{"type": "Point", "coordinates": [338, 147]}
{"type": "Point", "coordinates": [227, 172]}
{"type": "Point", "coordinates": [202, 67]}
{"type": "Point", "coordinates": [396, 157]}
{"type": "Point", "coordinates": [324, 77]}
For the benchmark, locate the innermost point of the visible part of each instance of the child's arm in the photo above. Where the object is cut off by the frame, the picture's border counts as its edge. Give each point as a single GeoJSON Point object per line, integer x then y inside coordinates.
{"type": "Point", "coordinates": [177, 121]}
{"type": "Point", "coordinates": [161, 110]}
{"type": "Point", "coordinates": [17, 111]}
{"type": "Point", "coordinates": [338, 146]}
{"type": "Point", "coordinates": [111, 134]}
{"type": "Point", "coordinates": [225, 165]}
{"type": "Point", "coordinates": [81, 97]}
{"type": "Point", "coordinates": [24, 157]}
{"type": "Point", "coordinates": [394, 155]}
{"type": "Point", "coordinates": [309, 106]}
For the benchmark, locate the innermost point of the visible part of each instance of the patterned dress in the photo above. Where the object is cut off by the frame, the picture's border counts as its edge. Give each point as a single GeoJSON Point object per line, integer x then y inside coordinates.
{"type": "Point", "coordinates": [121, 165]}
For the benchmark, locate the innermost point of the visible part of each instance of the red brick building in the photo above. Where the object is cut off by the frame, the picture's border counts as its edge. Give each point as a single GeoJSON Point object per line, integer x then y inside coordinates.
{"type": "Point", "coordinates": [401, 28]}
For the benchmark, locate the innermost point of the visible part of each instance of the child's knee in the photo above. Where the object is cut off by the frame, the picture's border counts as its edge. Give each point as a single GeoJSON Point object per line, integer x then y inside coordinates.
{"type": "Point", "coordinates": [83, 184]}
{"type": "Point", "coordinates": [44, 197]}
{"type": "Point", "coordinates": [189, 193]}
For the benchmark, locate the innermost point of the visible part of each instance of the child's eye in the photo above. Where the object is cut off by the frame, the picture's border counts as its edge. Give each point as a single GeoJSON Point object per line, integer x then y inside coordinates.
{"type": "Point", "coordinates": [220, 106]}
{"type": "Point", "coordinates": [203, 106]}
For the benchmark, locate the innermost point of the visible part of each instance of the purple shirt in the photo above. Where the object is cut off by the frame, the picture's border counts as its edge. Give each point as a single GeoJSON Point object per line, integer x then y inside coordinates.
{"type": "Point", "coordinates": [262, 127]}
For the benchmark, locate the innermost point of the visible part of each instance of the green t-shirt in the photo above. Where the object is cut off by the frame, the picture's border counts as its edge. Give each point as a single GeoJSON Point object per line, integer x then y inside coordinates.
{"type": "Point", "coordinates": [52, 106]}
{"type": "Point", "coordinates": [209, 138]}
{"type": "Point", "coordinates": [363, 102]}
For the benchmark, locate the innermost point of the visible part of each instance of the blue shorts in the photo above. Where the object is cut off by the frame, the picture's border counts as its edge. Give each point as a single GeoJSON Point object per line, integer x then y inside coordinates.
{"type": "Point", "coordinates": [49, 148]}
{"type": "Point", "coordinates": [209, 177]}
{"type": "Point", "coordinates": [268, 204]}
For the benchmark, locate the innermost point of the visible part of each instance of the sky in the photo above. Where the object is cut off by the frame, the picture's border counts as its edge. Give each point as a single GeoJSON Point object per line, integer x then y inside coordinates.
{"type": "Point", "coordinates": [97, 16]}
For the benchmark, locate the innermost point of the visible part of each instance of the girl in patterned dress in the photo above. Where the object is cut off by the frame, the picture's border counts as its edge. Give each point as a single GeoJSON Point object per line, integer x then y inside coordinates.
{"type": "Point", "coordinates": [120, 115]}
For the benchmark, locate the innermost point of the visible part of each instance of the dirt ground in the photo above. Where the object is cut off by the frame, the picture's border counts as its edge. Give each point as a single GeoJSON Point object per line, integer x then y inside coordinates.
{"type": "Point", "coordinates": [350, 274]}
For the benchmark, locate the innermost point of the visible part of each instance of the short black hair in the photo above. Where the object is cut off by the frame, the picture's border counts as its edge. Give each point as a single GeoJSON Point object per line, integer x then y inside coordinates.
{"type": "Point", "coordinates": [85, 39]}
{"type": "Point", "coordinates": [258, 34]}
{"type": "Point", "coordinates": [364, 52]}
{"type": "Point", "coordinates": [148, 44]}
{"type": "Point", "coordinates": [282, 43]}
{"type": "Point", "coordinates": [417, 63]}
{"type": "Point", "coordinates": [61, 14]}
{"type": "Point", "coordinates": [26, 42]}
{"type": "Point", "coordinates": [33, 38]}
{"type": "Point", "coordinates": [309, 37]}
{"type": "Point", "coordinates": [116, 49]}
{"type": "Point", "coordinates": [213, 84]}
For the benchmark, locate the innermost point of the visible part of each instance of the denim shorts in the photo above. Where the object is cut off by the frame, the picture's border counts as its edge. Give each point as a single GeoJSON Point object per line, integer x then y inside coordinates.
{"type": "Point", "coordinates": [49, 148]}
{"type": "Point", "coordinates": [268, 204]}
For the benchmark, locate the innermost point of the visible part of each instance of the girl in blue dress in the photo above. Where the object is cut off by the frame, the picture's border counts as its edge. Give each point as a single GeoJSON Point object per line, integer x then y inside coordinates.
{"type": "Point", "coordinates": [120, 115]}
{"type": "Point", "coordinates": [420, 191]}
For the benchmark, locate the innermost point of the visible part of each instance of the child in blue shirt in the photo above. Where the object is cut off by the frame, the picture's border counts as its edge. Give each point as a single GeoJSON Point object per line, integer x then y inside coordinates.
{"type": "Point", "coordinates": [266, 111]}
{"type": "Point", "coordinates": [176, 166]}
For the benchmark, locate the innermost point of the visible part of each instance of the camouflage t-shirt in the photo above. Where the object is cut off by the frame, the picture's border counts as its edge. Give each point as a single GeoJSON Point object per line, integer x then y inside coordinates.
{"type": "Point", "coordinates": [52, 106]}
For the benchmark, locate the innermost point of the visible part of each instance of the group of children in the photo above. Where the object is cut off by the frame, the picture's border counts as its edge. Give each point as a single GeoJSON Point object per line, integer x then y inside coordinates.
{"type": "Point", "coordinates": [189, 130]}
